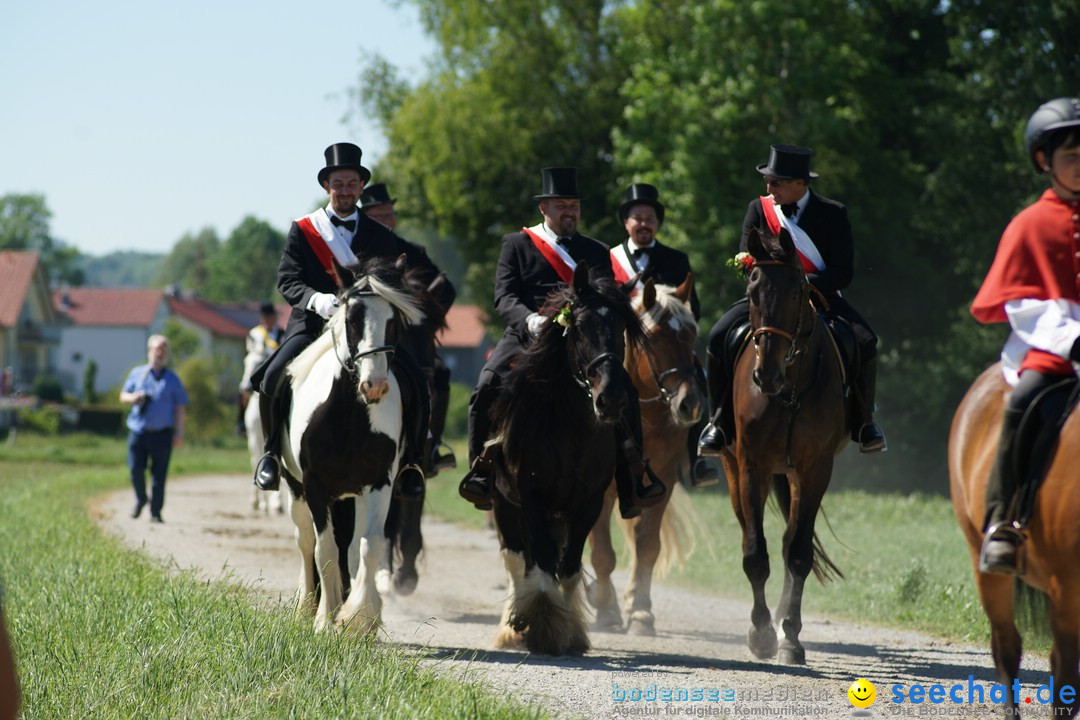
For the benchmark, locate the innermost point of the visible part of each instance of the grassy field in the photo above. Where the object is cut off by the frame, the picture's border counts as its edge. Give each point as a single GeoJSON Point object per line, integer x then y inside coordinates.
{"type": "Point", "coordinates": [904, 559]}
{"type": "Point", "coordinates": [100, 631]}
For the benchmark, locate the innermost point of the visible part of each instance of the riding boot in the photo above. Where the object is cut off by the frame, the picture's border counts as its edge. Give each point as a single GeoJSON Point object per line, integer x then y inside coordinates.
{"type": "Point", "coordinates": [720, 431]}
{"type": "Point", "coordinates": [702, 472]}
{"type": "Point", "coordinates": [637, 468]}
{"type": "Point", "coordinates": [268, 470]}
{"type": "Point", "coordinates": [409, 484]}
{"type": "Point", "coordinates": [866, 432]}
{"type": "Point", "coordinates": [442, 455]}
{"type": "Point", "coordinates": [478, 485]}
{"type": "Point", "coordinates": [999, 549]}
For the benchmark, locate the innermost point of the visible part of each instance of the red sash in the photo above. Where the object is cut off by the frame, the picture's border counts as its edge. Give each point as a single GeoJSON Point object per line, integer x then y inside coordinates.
{"type": "Point", "coordinates": [556, 262]}
{"type": "Point", "coordinates": [318, 245]}
{"type": "Point", "coordinates": [771, 219]}
{"type": "Point", "coordinates": [620, 272]}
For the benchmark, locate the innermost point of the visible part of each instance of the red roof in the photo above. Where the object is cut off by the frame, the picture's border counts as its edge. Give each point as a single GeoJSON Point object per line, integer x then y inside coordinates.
{"type": "Point", "coordinates": [465, 327]}
{"type": "Point", "coordinates": [203, 313]}
{"type": "Point", "coordinates": [108, 306]}
{"type": "Point", "coordinates": [17, 270]}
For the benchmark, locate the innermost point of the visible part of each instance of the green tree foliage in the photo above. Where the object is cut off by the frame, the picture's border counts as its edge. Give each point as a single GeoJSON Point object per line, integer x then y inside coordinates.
{"type": "Point", "coordinates": [207, 418]}
{"type": "Point", "coordinates": [183, 343]}
{"type": "Point", "coordinates": [24, 225]}
{"type": "Point", "coordinates": [188, 263]}
{"type": "Point", "coordinates": [915, 109]}
{"type": "Point", "coordinates": [89, 392]}
{"type": "Point", "coordinates": [245, 267]}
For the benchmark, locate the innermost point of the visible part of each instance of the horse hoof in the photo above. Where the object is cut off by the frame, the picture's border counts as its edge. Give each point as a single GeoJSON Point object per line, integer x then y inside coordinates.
{"type": "Point", "coordinates": [642, 624]}
{"type": "Point", "coordinates": [382, 581]}
{"type": "Point", "coordinates": [791, 654]}
{"type": "Point", "coordinates": [608, 619]}
{"type": "Point", "coordinates": [509, 639]}
{"type": "Point", "coordinates": [405, 584]}
{"type": "Point", "coordinates": [762, 642]}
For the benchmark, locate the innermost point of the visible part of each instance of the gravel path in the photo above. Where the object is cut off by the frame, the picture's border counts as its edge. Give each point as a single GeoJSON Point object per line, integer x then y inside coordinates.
{"type": "Point", "coordinates": [700, 642]}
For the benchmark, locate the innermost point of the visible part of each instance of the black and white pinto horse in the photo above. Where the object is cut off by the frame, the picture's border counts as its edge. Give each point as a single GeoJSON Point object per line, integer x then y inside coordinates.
{"type": "Point", "coordinates": [344, 440]}
{"type": "Point", "coordinates": [555, 427]}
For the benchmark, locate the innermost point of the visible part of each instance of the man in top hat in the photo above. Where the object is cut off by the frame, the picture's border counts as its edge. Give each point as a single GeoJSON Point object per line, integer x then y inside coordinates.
{"type": "Point", "coordinates": [529, 268]}
{"type": "Point", "coordinates": [377, 204]}
{"type": "Point", "coordinates": [305, 279]}
{"type": "Point", "coordinates": [642, 214]}
{"type": "Point", "coordinates": [822, 235]}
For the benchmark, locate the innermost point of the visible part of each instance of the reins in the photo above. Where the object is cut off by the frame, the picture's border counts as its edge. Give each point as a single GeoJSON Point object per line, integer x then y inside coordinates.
{"type": "Point", "coordinates": [351, 362]}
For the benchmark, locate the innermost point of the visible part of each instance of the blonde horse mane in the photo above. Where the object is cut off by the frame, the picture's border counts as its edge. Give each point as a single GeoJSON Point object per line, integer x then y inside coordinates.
{"type": "Point", "coordinates": [668, 304]}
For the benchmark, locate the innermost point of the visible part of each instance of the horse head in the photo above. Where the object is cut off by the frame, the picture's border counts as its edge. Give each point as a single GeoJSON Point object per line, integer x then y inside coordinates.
{"type": "Point", "coordinates": [376, 305]}
{"type": "Point", "coordinates": [779, 293]}
{"type": "Point", "coordinates": [669, 365]}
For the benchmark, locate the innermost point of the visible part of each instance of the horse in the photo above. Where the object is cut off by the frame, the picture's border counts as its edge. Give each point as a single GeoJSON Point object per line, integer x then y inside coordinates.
{"type": "Point", "coordinates": [403, 534]}
{"type": "Point", "coordinates": [344, 440]}
{"type": "Point", "coordinates": [672, 401]}
{"type": "Point", "coordinates": [790, 422]}
{"type": "Point", "coordinates": [1051, 550]}
{"type": "Point", "coordinates": [555, 432]}
{"type": "Point", "coordinates": [266, 501]}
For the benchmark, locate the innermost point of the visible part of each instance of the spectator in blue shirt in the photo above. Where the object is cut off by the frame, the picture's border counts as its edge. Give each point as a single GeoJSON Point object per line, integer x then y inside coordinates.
{"type": "Point", "coordinates": [155, 424]}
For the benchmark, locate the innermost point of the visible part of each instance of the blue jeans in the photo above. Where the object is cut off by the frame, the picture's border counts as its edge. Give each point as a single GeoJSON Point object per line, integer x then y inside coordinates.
{"type": "Point", "coordinates": [156, 446]}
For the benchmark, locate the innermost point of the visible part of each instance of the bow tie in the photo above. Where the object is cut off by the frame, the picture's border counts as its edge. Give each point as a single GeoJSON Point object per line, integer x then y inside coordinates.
{"type": "Point", "coordinates": [789, 209]}
{"type": "Point", "coordinates": [564, 241]}
{"type": "Point", "coordinates": [639, 253]}
{"type": "Point", "coordinates": [349, 225]}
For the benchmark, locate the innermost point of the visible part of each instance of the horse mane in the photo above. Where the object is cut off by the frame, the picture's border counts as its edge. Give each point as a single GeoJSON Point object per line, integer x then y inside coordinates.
{"type": "Point", "coordinates": [540, 389]}
{"type": "Point", "coordinates": [668, 304]}
{"type": "Point", "coordinates": [416, 281]}
{"type": "Point", "coordinates": [385, 279]}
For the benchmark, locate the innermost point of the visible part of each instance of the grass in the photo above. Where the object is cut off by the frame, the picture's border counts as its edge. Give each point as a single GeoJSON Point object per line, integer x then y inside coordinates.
{"type": "Point", "coordinates": [100, 631]}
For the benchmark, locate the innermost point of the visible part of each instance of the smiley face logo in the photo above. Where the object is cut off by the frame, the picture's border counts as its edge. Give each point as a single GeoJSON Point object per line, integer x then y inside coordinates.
{"type": "Point", "coordinates": [862, 693]}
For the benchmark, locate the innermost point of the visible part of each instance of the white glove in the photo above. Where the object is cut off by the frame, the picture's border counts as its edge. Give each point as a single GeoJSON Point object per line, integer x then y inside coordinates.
{"type": "Point", "coordinates": [324, 303]}
{"type": "Point", "coordinates": [535, 322]}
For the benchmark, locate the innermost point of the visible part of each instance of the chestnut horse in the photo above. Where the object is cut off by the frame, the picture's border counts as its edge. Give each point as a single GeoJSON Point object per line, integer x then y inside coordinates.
{"type": "Point", "coordinates": [790, 422]}
{"type": "Point", "coordinates": [671, 402]}
{"type": "Point", "coordinates": [1052, 546]}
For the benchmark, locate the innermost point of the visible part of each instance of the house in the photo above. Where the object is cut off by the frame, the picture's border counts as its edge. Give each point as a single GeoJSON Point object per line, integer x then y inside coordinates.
{"type": "Point", "coordinates": [109, 327]}
{"type": "Point", "coordinates": [221, 338]}
{"type": "Point", "coordinates": [465, 343]}
{"type": "Point", "coordinates": [29, 326]}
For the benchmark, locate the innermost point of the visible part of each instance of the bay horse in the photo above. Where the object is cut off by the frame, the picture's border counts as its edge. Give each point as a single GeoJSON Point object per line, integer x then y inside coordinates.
{"type": "Point", "coordinates": [555, 430]}
{"type": "Point", "coordinates": [790, 422]}
{"type": "Point", "coordinates": [671, 401]}
{"type": "Point", "coordinates": [344, 440]}
{"type": "Point", "coordinates": [1051, 551]}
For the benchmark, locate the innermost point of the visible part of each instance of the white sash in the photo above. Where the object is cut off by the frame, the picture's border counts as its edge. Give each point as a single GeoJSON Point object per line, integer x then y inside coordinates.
{"type": "Point", "coordinates": [320, 220]}
{"type": "Point", "coordinates": [544, 234]}
{"type": "Point", "coordinates": [802, 241]}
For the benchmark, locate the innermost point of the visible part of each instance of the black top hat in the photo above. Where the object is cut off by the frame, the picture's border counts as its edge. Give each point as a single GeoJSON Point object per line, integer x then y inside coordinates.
{"type": "Point", "coordinates": [376, 195]}
{"type": "Point", "coordinates": [642, 194]}
{"type": "Point", "coordinates": [788, 161]}
{"type": "Point", "coordinates": [343, 156]}
{"type": "Point", "coordinates": [559, 182]}
{"type": "Point", "coordinates": [267, 308]}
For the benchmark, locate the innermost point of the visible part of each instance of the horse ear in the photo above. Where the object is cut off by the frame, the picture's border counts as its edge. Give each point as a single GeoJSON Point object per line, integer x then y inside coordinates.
{"type": "Point", "coordinates": [401, 263]}
{"type": "Point", "coordinates": [648, 294]}
{"type": "Point", "coordinates": [787, 244]}
{"type": "Point", "coordinates": [685, 288]}
{"type": "Point", "coordinates": [581, 279]}
{"type": "Point", "coordinates": [755, 246]}
{"type": "Point", "coordinates": [437, 283]}
{"type": "Point", "coordinates": [343, 276]}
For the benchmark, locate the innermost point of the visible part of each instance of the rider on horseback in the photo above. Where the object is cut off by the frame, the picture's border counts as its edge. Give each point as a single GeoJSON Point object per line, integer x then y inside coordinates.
{"type": "Point", "coordinates": [822, 235]}
{"type": "Point", "coordinates": [1034, 285]}
{"type": "Point", "coordinates": [531, 265]}
{"type": "Point", "coordinates": [306, 279]}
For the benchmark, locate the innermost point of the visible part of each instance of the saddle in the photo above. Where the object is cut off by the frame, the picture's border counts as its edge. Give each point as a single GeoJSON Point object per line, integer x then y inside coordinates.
{"type": "Point", "coordinates": [1037, 438]}
{"type": "Point", "coordinates": [840, 330]}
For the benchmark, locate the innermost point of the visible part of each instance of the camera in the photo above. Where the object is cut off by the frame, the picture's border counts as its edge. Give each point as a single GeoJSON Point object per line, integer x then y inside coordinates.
{"type": "Point", "coordinates": [142, 402]}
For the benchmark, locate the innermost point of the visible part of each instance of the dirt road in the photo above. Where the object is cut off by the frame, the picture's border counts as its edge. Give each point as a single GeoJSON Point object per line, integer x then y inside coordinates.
{"type": "Point", "coordinates": [700, 642]}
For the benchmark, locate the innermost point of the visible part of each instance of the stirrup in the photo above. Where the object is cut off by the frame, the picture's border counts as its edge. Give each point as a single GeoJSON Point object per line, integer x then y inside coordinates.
{"type": "Point", "coordinates": [478, 485]}
{"type": "Point", "coordinates": [997, 537]}
{"type": "Point", "coordinates": [411, 490]}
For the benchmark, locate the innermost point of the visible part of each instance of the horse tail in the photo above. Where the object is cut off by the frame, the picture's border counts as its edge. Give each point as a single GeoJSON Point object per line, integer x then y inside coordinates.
{"type": "Point", "coordinates": [392, 532]}
{"type": "Point", "coordinates": [1032, 610]}
{"type": "Point", "coordinates": [680, 528]}
{"type": "Point", "coordinates": [823, 567]}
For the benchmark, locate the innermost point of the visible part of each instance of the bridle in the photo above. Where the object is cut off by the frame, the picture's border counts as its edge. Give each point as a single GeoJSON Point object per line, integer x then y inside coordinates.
{"type": "Point", "coordinates": [663, 395]}
{"type": "Point", "coordinates": [582, 378]}
{"type": "Point", "coordinates": [794, 346]}
{"type": "Point", "coordinates": [351, 363]}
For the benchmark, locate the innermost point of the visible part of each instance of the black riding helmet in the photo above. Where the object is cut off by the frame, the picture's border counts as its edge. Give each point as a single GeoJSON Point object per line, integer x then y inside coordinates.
{"type": "Point", "coordinates": [1057, 114]}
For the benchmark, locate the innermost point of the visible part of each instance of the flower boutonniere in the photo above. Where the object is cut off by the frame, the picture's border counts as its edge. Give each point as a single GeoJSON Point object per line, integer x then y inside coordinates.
{"type": "Point", "coordinates": [743, 263]}
{"type": "Point", "coordinates": [563, 317]}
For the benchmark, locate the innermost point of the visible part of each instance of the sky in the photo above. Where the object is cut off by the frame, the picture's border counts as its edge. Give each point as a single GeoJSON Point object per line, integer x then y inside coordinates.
{"type": "Point", "coordinates": [142, 121]}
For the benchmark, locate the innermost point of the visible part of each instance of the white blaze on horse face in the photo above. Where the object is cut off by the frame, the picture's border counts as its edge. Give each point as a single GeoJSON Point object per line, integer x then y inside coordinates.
{"type": "Point", "coordinates": [373, 370]}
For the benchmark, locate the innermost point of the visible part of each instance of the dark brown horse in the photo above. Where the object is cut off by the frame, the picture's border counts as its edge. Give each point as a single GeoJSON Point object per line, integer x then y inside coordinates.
{"type": "Point", "coordinates": [1052, 547]}
{"type": "Point", "coordinates": [556, 419]}
{"type": "Point", "coordinates": [790, 420]}
{"type": "Point", "coordinates": [671, 402]}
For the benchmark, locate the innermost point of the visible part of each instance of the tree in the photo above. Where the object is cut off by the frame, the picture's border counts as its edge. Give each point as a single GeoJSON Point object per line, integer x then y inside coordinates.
{"type": "Point", "coordinates": [24, 225]}
{"type": "Point", "coordinates": [188, 263]}
{"type": "Point", "coordinates": [245, 267]}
